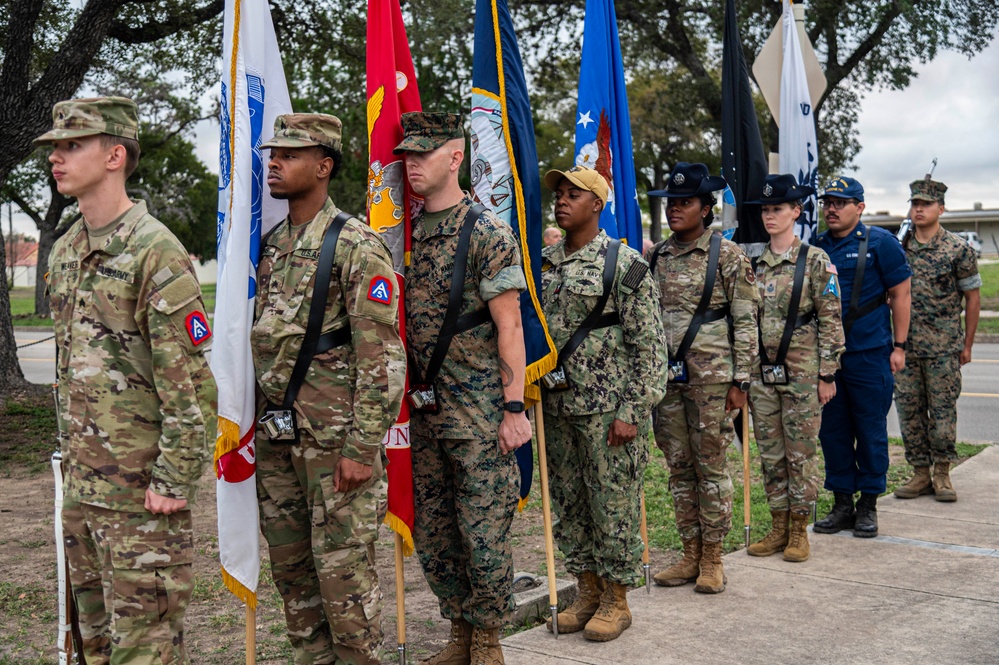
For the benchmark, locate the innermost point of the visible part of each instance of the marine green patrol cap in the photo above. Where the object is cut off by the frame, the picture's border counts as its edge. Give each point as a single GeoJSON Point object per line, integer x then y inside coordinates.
{"type": "Point", "coordinates": [74, 118]}
{"type": "Point", "coordinates": [927, 190]}
{"type": "Point", "coordinates": [423, 132]}
{"type": "Point", "coordinates": [304, 130]}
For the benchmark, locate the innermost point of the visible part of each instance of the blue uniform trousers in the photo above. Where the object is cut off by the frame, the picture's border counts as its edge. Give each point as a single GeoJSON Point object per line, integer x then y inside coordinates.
{"type": "Point", "coordinates": [854, 431]}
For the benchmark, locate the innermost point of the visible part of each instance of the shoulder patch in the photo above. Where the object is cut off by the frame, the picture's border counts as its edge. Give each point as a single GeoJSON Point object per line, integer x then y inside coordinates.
{"type": "Point", "coordinates": [636, 273]}
{"type": "Point", "coordinates": [832, 286]}
{"type": "Point", "coordinates": [197, 327]}
{"type": "Point", "coordinates": [831, 269]}
{"type": "Point", "coordinates": [750, 275]}
{"type": "Point", "coordinates": [380, 290]}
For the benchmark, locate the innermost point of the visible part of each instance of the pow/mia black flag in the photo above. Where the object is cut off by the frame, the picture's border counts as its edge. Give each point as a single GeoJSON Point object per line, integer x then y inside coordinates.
{"type": "Point", "coordinates": [744, 162]}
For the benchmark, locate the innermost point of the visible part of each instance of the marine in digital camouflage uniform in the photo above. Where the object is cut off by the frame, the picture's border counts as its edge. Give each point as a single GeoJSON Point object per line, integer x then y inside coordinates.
{"type": "Point", "coordinates": [323, 496]}
{"type": "Point", "coordinates": [692, 426]}
{"type": "Point", "coordinates": [786, 417]}
{"type": "Point", "coordinates": [598, 429]}
{"type": "Point", "coordinates": [944, 272]}
{"type": "Point", "coordinates": [136, 397]}
{"type": "Point", "coordinates": [465, 481]}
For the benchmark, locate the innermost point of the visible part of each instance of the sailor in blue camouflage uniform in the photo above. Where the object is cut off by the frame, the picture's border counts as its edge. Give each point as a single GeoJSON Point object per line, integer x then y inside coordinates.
{"type": "Point", "coordinates": [854, 430]}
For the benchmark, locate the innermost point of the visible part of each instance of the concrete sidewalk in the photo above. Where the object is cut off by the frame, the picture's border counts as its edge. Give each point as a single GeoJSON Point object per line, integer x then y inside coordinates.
{"type": "Point", "coordinates": [925, 591]}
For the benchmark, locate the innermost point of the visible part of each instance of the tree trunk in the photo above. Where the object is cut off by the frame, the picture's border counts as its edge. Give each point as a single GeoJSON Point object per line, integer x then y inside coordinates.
{"type": "Point", "coordinates": [47, 235]}
{"type": "Point", "coordinates": [11, 376]}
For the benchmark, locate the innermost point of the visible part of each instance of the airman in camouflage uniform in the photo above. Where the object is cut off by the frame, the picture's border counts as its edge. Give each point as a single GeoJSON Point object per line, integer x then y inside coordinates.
{"type": "Point", "coordinates": [692, 427]}
{"type": "Point", "coordinates": [323, 496]}
{"type": "Point", "coordinates": [465, 483]}
{"type": "Point", "coordinates": [136, 396]}
{"type": "Point", "coordinates": [787, 416]}
{"type": "Point", "coordinates": [598, 428]}
{"type": "Point", "coordinates": [944, 272]}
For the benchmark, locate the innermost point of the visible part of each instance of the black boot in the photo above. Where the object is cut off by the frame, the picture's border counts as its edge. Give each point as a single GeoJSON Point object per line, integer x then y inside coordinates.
{"type": "Point", "coordinates": [866, 525]}
{"type": "Point", "coordinates": [840, 517]}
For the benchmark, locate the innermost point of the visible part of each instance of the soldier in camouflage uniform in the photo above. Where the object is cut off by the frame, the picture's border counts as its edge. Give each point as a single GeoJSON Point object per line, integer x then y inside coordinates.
{"type": "Point", "coordinates": [692, 425]}
{"type": "Point", "coordinates": [137, 400]}
{"type": "Point", "coordinates": [786, 415]}
{"type": "Point", "coordinates": [465, 481]}
{"type": "Point", "coordinates": [944, 272]}
{"type": "Point", "coordinates": [323, 496]}
{"type": "Point", "coordinates": [598, 428]}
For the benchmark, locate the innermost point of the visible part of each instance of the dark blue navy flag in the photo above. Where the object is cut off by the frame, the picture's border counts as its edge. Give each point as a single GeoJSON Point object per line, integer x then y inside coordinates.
{"type": "Point", "coordinates": [603, 126]}
{"type": "Point", "coordinates": [505, 179]}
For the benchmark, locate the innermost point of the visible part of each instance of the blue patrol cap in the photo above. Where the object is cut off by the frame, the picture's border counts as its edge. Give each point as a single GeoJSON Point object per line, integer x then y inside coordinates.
{"type": "Point", "coordinates": [844, 188]}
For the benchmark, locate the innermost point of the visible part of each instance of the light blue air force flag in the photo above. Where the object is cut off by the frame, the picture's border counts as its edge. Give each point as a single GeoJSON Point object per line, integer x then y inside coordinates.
{"type": "Point", "coordinates": [603, 126]}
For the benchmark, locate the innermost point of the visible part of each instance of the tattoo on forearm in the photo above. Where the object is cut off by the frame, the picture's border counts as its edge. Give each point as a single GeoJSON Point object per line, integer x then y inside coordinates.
{"type": "Point", "coordinates": [506, 373]}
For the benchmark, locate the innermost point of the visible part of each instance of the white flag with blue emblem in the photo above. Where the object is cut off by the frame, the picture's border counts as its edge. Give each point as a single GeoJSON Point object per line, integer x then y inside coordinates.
{"type": "Point", "coordinates": [254, 93]}
{"type": "Point", "coordinates": [799, 149]}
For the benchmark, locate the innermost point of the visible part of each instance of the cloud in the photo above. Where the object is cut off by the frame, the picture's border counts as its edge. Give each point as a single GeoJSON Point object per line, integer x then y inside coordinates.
{"type": "Point", "coordinates": [948, 112]}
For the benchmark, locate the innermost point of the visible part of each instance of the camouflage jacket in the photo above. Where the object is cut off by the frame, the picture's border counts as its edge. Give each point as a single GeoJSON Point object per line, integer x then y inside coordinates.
{"type": "Point", "coordinates": [621, 368]}
{"type": "Point", "coordinates": [942, 270]}
{"type": "Point", "coordinates": [469, 387]}
{"type": "Point", "coordinates": [136, 396]}
{"type": "Point", "coordinates": [816, 347]}
{"type": "Point", "coordinates": [351, 394]}
{"type": "Point", "coordinates": [714, 357]}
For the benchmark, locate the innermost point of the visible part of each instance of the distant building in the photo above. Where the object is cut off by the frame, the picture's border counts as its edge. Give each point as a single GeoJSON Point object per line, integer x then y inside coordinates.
{"type": "Point", "coordinates": [985, 222]}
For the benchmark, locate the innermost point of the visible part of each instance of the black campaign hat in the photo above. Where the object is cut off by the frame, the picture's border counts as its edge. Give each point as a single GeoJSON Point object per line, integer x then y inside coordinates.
{"type": "Point", "coordinates": [688, 180]}
{"type": "Point", "coordinates": [781, 188]}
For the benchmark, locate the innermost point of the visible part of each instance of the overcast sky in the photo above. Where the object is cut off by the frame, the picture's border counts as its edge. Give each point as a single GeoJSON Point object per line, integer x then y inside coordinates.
{"type": "Point", "coordinates": [950, 112]}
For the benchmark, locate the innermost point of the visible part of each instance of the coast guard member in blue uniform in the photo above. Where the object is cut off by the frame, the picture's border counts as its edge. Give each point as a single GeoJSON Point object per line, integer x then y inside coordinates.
{"type": "Point", "coordinates": [875, 297]}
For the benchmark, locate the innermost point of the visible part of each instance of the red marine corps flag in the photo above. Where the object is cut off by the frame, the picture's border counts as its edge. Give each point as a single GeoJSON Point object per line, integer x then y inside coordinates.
{"type": "Point", "coordinates": [392, 91]}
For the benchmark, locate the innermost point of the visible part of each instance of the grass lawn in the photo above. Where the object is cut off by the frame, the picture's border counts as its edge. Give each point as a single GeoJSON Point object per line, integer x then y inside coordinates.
{"type": "Point", "coordinates": [990, 285]}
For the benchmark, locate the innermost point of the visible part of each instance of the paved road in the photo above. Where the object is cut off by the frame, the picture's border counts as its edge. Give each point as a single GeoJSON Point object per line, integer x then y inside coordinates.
{"type": "Point", "coordinates": [976, 409]}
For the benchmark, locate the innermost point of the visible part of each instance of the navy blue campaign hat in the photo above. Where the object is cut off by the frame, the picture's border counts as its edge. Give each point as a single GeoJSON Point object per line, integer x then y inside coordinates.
{"type": "Point", "coordinates": [688, 180]}
{"type": "Point", "coordinates": [778, 188]}
{"type": "Point", "coordinates": [844, 188]}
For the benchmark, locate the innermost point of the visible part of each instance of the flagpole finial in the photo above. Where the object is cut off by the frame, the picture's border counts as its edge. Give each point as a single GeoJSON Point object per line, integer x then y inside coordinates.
{"type": "Point", "coordinates": [933, 167]}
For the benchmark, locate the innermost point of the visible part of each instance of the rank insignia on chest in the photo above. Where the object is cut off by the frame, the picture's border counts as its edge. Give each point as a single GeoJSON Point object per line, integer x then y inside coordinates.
{"type": "Point", "coordinates": [380, 290]}
{"type": "Point", "coordinates": [197, 327]}
{"type": "Point", "coordinates": [831, 287]}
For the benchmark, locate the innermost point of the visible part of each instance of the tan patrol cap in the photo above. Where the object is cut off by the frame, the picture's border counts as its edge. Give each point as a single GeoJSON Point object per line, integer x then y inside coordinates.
{"type": "Point", "coordinates": [582, 177]}
{"type": "Point", "coordinates": [304, 130]}
{"type": "Point", "coordinates": [74, 118]}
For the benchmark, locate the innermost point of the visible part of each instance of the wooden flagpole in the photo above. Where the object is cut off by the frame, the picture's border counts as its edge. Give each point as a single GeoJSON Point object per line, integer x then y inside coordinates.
{"type": "Point", "coordinates": [251, 635]}
{"type": "Point", "coordinates": [547, 517]}
{"type": "Point", "coordinates": [400, 600]}
{"type": "Point", "coordinates": [745, 472]}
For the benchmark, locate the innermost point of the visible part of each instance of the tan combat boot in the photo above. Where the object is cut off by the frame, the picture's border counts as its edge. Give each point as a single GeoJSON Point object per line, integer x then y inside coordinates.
{"type": "Point", "coordinates": [797, 549]}
{"type": "Point", "coordinates": [776, 540]}
{"type": "Point", "coordinates": [573, 618]}
{"type": "Point", "coordinates": [919, 485]}
{"type": "Point", "coordinates": [613, 616]}
{"type": "Point", "coordinates": [486, 648]}
{"type": "Point", "coordinates": [942, 488]}
{"type": "Point", "coordinates": [712, 577]}
{"type": "Point", "coordinates": [686, 569]}
{"type": "Point", "coordinates": [456, 652]}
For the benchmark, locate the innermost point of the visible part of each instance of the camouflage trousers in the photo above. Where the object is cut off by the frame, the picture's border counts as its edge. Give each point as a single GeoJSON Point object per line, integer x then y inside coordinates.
{"type": "Point", "coordinates": [693, 431]}
{"type": "Point", "coordinates": [596, 492]}
{"type": "Point", "coordinates": [786, 420]}
{"type": "Point", "coordinates": [322, 550]}
{"type": "Point", "coordinates": [132, 579]}
{"type": "Point", "coordinates": [466, 493]}
{"type": "Point", "coordinates": [926, 393]}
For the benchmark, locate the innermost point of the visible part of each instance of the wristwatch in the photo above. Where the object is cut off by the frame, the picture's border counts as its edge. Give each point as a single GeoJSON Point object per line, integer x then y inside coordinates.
{"type": "Point", "coordinates": [902, 345]}
{"type": "Point", "coordinates": [827, 378]}
{"type": "Point", "coordinates": [514, 407]}
{"type": "Point", "coordinates": [741, 385]}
